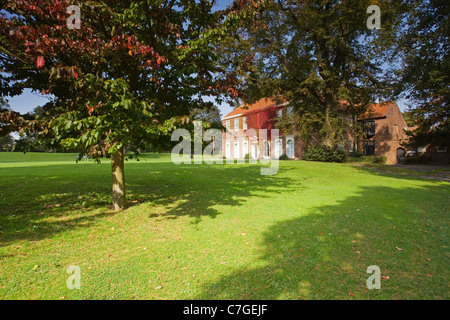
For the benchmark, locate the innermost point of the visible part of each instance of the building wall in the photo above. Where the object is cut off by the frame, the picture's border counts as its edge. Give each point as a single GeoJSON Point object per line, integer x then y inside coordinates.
{"type": "Point", "coordinates": [389, 134]}
{"type": "Point", "coordinates": [388, 138]}
{"type": "Point", "coordinates": [259, 119]}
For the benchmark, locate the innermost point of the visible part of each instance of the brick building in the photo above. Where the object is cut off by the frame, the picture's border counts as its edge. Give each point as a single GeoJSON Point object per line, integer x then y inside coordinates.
{"type": "Point", "coordinates": [383, 132]}
{"type": "Point", "coordinates": [243, 135]}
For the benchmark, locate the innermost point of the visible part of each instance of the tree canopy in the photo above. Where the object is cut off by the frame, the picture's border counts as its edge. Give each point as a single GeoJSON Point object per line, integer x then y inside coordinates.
{"type": "Point", "coordinates": [318, 55]}
{"type": "Point", "coordinates": [128, 74]}
{"type": "Point", "coordinates": [424, 76]}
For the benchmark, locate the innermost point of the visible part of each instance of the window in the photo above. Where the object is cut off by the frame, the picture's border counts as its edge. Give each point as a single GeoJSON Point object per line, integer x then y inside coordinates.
{"type": "Point", "coordinates": [236, 149]}
{"type": "Point", "coordinates": [278, 148]}
{"type": "Point", "coordinates": [350, 145]}
{"type": "Point", "coordinates": [290, 113]}
{"type": "Point", "coordinates": [227, 125]}
{"type": "Point", "coordinates": [441, 149]}
{"type": "Point", "coordinates": [280, 113]}
{"type": "Point", "coordinates": [245, 147]}
{"type": "Point", "coordinates": [244, 123]}
{"type": "Point", "coordinates": [266, 149]}
{"type": "Point", "coordinates": [236, 124]}
{"type": "Point", "coordinates": [369, 148]}
{"type": "Point", "coordinates": [290, 147]}
{"type": "Point", "coordinates": [227, 150]}
{"type": "Point", "coordinates": [350, 121]}
{"type": "Point", "coordinates": [369, 128]}
{"type": "Point", "coordinates": [421, 149]}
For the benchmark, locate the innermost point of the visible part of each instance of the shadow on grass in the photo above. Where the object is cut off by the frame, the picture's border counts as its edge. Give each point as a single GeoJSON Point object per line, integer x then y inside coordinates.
{"type": "Point", "coordinates": [37, 202]}
{"type": "Point", "coordinates": [325, 253]}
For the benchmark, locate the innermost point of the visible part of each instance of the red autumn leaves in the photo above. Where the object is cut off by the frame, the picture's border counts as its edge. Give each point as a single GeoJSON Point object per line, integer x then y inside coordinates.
{"type": "Point", "coordinates": [40, 62]}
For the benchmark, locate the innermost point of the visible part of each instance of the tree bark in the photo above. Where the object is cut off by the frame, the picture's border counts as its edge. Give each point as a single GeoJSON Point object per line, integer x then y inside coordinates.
{"type": "Point", "coordinates": [119, 199]}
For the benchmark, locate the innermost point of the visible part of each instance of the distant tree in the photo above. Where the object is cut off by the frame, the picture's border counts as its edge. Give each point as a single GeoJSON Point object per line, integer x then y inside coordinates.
{"type": "Point", "coordinates": [425, 71]}
{"type": "Point", "coordinates": [6, 143]}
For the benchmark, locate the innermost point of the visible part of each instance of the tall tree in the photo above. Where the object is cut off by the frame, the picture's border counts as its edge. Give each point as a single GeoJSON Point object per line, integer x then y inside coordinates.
{"type": "Point", "coordinates": [129, 71]}
{"type": "Point", "coordinates": [316, 54]}
{"type": "Point", "coordinates": [426, 70]}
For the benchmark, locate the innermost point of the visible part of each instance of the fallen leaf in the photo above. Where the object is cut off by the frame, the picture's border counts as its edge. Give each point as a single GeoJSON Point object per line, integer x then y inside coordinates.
{"type": "Point", "coordinates": [351, 293]}
{"type": "Point", "coordinates": [157, 288]}
{"type": "Point", "coordinates": [385, 277]}
{"type": "Point", "coordinates": [399, 249]}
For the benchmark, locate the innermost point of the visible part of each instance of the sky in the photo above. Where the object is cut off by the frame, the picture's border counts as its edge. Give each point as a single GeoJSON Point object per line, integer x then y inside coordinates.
{"type": "Point", "coordinates": [29, 100]}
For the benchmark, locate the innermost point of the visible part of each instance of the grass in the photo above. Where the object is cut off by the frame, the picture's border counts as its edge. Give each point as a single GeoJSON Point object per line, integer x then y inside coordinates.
{"type": "Point", "coordinates": [219, 231]}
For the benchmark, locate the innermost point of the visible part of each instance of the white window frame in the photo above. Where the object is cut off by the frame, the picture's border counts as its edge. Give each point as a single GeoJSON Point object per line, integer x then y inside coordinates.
{"type": "Point", "coordinates": [236, 149]}
{"type": "Point", "coordinates": [236, 124]}
{"type": "Point", "coordinates": [291, 137]}
{"type": "Point", "coordinates": [227, 125]}
{"type": "Point", "coordinates": [280, 113]}
{"type": "Point", "coordinates": [244, 123]}
{"type": "Point", "coordinates": [266, 143]}
{"type": "Point", "coordinates": [278, 148]}
{"type": "Point", "coordinates": [245, 147]}
{"type": "Point", "coordinates": [227, 150]}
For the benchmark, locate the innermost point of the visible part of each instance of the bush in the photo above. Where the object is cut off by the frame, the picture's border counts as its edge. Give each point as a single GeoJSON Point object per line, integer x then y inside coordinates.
{"type": "Point", "coordinates": [247, 156]}
{"type": "Point", "coordinates": [325, 154]}
{"type": "Point", "coordinates": [381, 159]}
{"type": "Point", "coordinates": [284, 157]}
{"type": "Point", "coordinates": [417, 159]}
{"type": "Point", "coordinates": [356, 154]}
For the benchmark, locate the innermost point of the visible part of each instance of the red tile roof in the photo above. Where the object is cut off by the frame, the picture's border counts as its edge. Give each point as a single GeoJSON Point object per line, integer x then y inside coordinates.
{"type": "Point", "coordinates": [377, 110]}
{"type": "Point", "coordinates": [374, 110]}
{"type": "Point", "coordinates": [261, 104]}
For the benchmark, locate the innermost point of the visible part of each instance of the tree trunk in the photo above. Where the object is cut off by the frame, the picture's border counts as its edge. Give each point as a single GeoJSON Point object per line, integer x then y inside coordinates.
{"type": "Point", "coordinates": [119, 200]}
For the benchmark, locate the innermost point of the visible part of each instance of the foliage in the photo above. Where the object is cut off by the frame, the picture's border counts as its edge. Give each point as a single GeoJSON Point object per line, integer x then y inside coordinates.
{"type": "Point", "coordinates": [318, 55]}
{"type": "Point", "coordinates": [127, 77]}
{"type": "Point", "coordinates": [424, 76]}
{"type": "Point", "coordinates": [325, 154]}
{"type": "Point", "coordinates": [417, 159]}
{"type": "Point", "coordinates": [284, 157]}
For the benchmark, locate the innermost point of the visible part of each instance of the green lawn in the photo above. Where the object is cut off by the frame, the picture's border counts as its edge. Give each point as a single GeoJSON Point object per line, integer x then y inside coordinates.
{"type": "Point", "coordinates": [219, 231]}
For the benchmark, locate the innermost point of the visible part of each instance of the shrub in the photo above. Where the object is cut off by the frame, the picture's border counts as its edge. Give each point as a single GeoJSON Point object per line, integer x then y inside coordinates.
{"type": "Point", "coordinates": [381, 159]}
{"type": "Point", "coordinates": [417, 159]}
{"type": "Point", "coordinates": [284, 157]}
{"type": "Point", "coordinates": [325, 154]}
{"type": "Point", "coordinates": [247, 156]}
{"type": "Point", "coordinates": [356, 154]}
